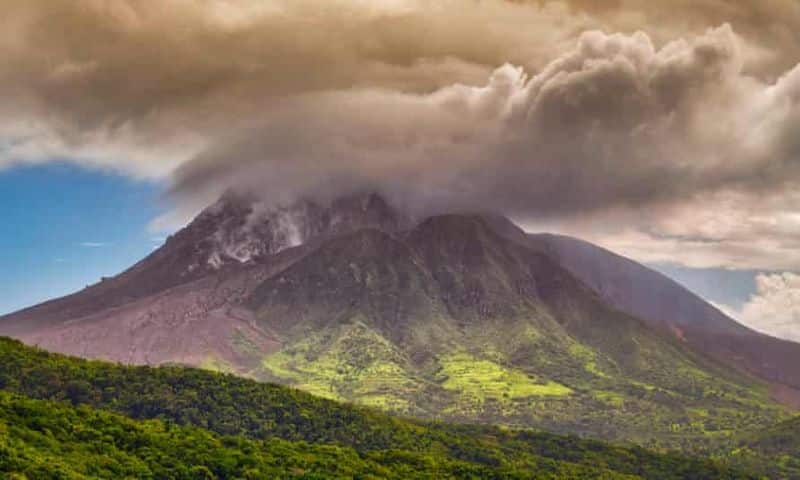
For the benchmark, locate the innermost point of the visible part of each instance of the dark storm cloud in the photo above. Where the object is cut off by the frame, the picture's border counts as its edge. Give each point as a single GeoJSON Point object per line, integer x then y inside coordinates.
{"type": "Point", "coordinates": [149, 76]}
{"type": "Point", "coordinates": [142, 85]}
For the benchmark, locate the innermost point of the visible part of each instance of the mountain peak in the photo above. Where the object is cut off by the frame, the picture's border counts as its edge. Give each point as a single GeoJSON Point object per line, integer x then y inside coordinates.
{"type": "Point", "coordinates": [242, 228]}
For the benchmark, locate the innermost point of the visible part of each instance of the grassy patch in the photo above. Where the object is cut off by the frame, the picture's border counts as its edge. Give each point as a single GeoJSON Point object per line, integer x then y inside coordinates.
{"type": "Point", "coordinates": [351, 362]}
{"type": "Point", "coordinates": [612, 399]}
{"type": "Point", "coordinates": [483, 379]}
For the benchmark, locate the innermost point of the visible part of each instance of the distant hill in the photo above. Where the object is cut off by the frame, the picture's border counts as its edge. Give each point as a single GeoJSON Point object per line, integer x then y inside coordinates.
{"type": "Point", "coordinates": [68, 418]}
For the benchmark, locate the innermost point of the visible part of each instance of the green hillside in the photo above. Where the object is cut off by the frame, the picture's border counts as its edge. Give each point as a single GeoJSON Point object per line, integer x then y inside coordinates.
{"type": "Point", "coordinates": [774, 450]}
{"type": "Point", "coordinates": [67, 418]}
{"type": "Point", "coordinates": [453, 322]}
{"type": "Point", "coordinates": [43, 440]}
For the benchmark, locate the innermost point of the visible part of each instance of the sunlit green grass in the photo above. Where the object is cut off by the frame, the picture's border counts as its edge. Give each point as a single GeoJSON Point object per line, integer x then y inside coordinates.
{"type": "Point", "coordinates": [524, 373]}
{"type": "Point", "coordinates": [481, 379]}
{"type": "Point", "coordinates": [354, 362]}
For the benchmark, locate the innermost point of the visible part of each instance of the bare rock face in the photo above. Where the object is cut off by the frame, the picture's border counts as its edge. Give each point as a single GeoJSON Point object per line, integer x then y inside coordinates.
{"type": "Point", "coordinates": [239, 229]}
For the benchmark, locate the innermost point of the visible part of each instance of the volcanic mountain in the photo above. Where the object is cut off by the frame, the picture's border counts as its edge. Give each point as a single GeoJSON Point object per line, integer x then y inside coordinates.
{"type": "Point", "coordinates": [459, 317]}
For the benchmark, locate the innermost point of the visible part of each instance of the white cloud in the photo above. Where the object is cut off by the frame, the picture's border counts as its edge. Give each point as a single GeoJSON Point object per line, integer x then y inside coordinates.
{"type": "Point", "coordinates": [726, 309]}
{"type": "Point", "coordinates": [775, 307]}
{"type": "Point", "coordinates": [93, 244]}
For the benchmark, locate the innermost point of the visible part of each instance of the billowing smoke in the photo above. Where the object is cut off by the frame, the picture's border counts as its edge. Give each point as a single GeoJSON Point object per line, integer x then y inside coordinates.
{"type": "Point", "coordinates": [613, 122]}
{"type": "Point", "coordinates": [142, 86]}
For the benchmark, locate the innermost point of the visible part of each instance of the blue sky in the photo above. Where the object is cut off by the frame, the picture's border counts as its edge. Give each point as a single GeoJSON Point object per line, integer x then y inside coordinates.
{"type": "Point", "coordinates": [64, 227]}
{"type": "Point", "coordinates": [731, 288]}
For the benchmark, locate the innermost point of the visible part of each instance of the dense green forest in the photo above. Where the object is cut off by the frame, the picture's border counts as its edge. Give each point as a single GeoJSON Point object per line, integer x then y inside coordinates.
{"type": "Point", "coordinates": [51, 440]}
{"type": "Point", "coordinates": [68, 418]}
{"type": "Point", "coordinates": [774, 450]}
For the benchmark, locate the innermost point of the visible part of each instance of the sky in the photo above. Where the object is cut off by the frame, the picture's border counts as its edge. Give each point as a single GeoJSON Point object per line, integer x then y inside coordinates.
{"type": "Point", "coordinates": [664, 130]}
{"type": "Point", "coordinates": [64, 227]}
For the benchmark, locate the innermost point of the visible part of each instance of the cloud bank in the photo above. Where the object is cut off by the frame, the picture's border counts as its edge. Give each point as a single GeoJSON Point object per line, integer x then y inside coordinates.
{"type": "Point", "coordinates": [662, 129]}
{"type": "Point", "coordinates": [613, 121]}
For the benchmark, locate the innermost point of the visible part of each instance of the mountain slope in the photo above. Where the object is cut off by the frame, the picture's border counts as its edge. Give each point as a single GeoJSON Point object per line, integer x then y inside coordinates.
{"type": "Point", "coordinates": [459, 317]}
{"type": "Point", "coordinates": [774, 450]}
{"type": "Point", "coordinates": [74, 425]}
{"type": "Point", "coordinates": [666, 305]}
{"type": "Point", "coordinates": [227, 235]}
{"type": "Point", "coordinates": [469, 326]}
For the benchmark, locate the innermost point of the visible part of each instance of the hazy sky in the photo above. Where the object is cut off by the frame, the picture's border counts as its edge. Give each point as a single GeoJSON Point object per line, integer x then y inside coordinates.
{"type": "Point", "coordinates": [664, 130]}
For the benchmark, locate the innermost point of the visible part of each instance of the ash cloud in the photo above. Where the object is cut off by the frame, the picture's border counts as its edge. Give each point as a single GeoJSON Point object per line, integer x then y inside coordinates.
{"type": "Point", "coordinates": [613, 122]}
{"type": "Point", "coordinates": [612, 114]}
{"type": "Point", "coordinates": [143, 85]}
{"type": "Point", "coordinates": [154, 82]}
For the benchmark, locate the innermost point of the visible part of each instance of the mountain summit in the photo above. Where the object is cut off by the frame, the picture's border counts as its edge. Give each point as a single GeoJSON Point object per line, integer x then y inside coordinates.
{"type": "Point", "coordinates": [461, 316]}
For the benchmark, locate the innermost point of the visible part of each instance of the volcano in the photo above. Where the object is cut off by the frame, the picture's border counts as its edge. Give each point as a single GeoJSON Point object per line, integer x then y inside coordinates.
{"type": "Point", "coordinates": [460, 317]}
